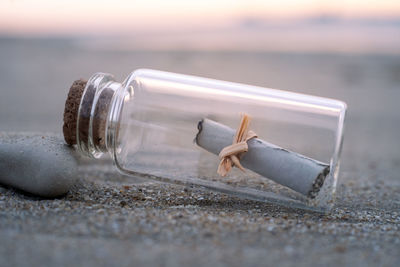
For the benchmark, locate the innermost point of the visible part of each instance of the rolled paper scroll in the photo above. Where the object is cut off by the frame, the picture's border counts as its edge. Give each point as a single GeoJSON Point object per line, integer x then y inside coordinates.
{"type": "Point", "coordinates": [290, 169]}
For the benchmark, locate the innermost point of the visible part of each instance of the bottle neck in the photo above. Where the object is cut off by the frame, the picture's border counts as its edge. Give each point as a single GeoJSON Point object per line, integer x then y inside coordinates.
{"type": "Point", "coordinates": [98, 115]}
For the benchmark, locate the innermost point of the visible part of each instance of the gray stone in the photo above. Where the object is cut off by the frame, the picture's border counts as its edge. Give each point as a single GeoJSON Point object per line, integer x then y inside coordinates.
{"type": "Point", "coordinates": [38, 164]}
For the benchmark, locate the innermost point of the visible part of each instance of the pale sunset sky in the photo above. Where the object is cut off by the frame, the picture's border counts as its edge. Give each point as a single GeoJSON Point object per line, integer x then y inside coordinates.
{"type": "Point", "coordinates": [47, 17]}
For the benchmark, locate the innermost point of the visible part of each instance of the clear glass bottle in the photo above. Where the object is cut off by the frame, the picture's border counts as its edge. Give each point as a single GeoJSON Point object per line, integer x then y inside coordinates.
{"type": "Point", "coordinates": [149, 123]}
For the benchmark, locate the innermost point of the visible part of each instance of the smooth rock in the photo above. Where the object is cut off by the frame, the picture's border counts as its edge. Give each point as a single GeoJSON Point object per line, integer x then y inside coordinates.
{"type": "Point", "coordinates": [39, 164]}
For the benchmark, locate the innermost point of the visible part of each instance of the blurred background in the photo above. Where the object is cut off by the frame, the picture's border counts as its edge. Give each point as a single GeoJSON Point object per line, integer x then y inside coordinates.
{"type": "Point", "coordinates": [349, 50]}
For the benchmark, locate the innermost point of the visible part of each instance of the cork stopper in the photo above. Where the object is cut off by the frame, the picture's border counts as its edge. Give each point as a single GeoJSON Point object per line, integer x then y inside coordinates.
{"type": "Point", "coordinates": [71, 110]}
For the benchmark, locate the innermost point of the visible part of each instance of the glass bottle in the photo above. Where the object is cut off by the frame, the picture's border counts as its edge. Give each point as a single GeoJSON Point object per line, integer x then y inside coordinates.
{"type": "Point", "coordinates": [149, 124]}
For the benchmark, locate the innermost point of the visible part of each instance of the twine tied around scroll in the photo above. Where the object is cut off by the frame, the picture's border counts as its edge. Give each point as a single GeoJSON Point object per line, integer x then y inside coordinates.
{"type": "Point", "coordinates": [230, 155]}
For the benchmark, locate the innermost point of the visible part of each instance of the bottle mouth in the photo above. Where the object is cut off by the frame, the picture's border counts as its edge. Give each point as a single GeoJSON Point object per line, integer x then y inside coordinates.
{"type": "Point", "coordinates": [89, 113]}
{"type": "Point", "coordinates": [114, 119]}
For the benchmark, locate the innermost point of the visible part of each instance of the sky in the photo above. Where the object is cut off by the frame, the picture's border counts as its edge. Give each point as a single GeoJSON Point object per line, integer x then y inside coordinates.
{"type": "Point", "coordinates": [57, 17]}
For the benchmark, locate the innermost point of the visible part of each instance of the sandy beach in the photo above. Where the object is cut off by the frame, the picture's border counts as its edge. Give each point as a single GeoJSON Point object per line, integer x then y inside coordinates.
{"type": "Point", "coordinates": [110, 219]}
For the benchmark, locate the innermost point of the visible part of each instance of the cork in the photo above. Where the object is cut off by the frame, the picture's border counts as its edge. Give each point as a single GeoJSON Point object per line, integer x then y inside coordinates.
{"type": "Point", "coordinates": [74, 100]}
{"type": "Point", "coordinates": [100, 118]}
{"type": "Point", "coordinates": [71, 110]}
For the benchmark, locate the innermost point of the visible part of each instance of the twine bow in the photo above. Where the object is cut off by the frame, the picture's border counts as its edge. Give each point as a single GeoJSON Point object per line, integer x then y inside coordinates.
{"type": "Point", "coordinates": [230, 155]}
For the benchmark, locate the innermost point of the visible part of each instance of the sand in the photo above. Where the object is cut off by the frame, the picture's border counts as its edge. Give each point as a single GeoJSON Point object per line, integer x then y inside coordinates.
{"type": "Point", "coordinates": [96, 224]}
{"type": "Point", "coordinates": [110, 219]}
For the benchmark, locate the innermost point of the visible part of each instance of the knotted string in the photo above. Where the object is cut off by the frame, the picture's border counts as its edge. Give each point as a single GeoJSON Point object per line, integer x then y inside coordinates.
{"type": "Point", "coordinates": [230, 155]}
